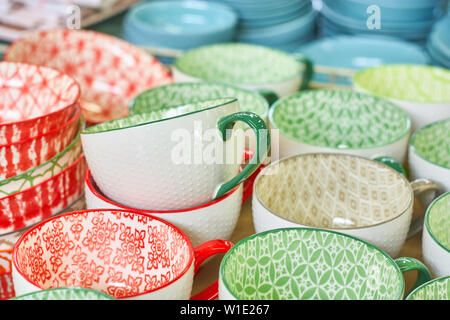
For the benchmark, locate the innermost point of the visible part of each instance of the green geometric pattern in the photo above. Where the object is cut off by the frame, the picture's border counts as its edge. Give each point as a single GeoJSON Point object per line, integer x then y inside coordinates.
{"type": "Point", "coordinates": [43, 172]}
{"type": "Point", "coordinates": [438, 220]}
{"type": "Point", "coordinates": [438, 289]}
{"type": "Point", "coordinates": [339, 119]}
{"type": "Point", "coordinates": [309, 264]}
{"type": "Point", "coordinates": [65, 294]}
{"type": "Point", "coordinates": [184, 93]}
{"type": "Point", "coordinates": [432, 143]}
{"type": "Point", "coordinates": [238, 64]}
{"type": "Point", "coordinates": [157, 115]}
{"type": "Point", "coordinates": [415, 83]}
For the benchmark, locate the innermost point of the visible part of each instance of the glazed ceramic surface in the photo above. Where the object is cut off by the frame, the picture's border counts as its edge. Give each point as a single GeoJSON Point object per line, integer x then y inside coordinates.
{"type": "Point", "coordinates": [436, 236]}
{"type": "Point", "coordinates": [349, 194]}
{"type": "Point", "coordinates": [214, 220]}
{"type": "Point", "coordinates": [249, 66]}
{"type": "Point", "coordinates": [21, 156]}
{"type": "Point", "coordinates": [165, 155]}
{"type": "Point", "coordinates": [307, 264]}
{"type": "Point", "coordinates": [35, 100]}
{"type": "Point", "coordinates": [339, 121]}
{"type": "Point", "coordinates": [23, 209]}
{"type": "Point", "coordinates": [45, 171]}
{"type": "Point", "coordinates": [437, 289]}
{"type": "Point", "coordinates": [110, 71]}
{"type": "Point", "coordinates": [121, 253]}
{"type": "Point", "coordinates": [429, 153]}
{"type": "Point", "coordinates": [7, 243]}
{"type": "Point", "coordinates": [422, 91]}
{"type": "Point", "coordinates": [65, 294]}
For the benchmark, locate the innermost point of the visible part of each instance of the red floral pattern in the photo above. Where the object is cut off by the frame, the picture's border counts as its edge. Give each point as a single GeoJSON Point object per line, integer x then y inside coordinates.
{"type": "Point", "coordinates": [116, 252]}
{"type": "Point", "coordinates": [121, 70]}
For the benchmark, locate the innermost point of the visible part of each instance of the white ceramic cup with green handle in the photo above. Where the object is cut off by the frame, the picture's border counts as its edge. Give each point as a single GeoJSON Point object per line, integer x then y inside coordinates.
{"type": "Point", "coordinates": [339, 121]}
{"type": "Point", "coordinates": [272, 72]}
{"type": "Point", "coordinates": [422, 91]}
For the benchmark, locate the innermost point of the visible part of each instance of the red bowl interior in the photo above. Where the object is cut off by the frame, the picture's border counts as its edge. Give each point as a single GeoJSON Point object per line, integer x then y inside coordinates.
{"type": "Point", "coordinates": [121, 253]}
{"type": "Point", "coordinates": [111, 72]}
{"type": "Point", "coordinates": [29, 92]}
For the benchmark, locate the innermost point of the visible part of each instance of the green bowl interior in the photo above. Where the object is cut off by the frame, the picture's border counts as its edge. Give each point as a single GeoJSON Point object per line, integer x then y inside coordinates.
{"type": "Point", "coordinates": [437, 289]}
{"type": "Point", "coordinates": [438, 220]}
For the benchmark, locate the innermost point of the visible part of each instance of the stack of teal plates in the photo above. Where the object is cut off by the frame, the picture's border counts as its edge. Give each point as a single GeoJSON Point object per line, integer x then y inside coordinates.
{"type": "Point", "coordinates": [438, 44]}
{"type": "Point", "coordinates": [281, 24]}
{"type": "Point", "coordinates": [407, 19]}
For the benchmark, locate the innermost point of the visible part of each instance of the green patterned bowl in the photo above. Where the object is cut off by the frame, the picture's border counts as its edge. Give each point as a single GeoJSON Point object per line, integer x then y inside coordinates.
{"type": "Point", "coordinates": [422, 91]}
{"type": "Point", "coordinates": [339, 121]}
{"type": "Point", "coordinates": [437, 289]}
{"type": "Point", "coordinates": [65, 294]}
{"type": "Point", "coordinates": [304, 263]}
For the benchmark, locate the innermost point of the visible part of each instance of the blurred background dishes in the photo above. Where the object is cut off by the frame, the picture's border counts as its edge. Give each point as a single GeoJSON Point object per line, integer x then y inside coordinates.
{"type": "Point", "coordinates": [179, 24]}
{"type": "Point", "coordinates": [438, 44]}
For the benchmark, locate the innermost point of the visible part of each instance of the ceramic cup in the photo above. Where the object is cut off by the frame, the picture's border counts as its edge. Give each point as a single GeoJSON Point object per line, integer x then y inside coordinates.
{"type": "Point", "coordinates": [254, 67]}
{"type": "Point", "coordinates": [65, 294]}
{"type": "Point", "coordinates": [344, 193]}
{"type": "Point", "coordinates": [125, 254]}
{"type": "Point", "coordinates": [422, 91]}
{"type": "Point", "coordinates": [303, 263]}
{"type": "Point", "coordinates": [429, 153]}
{"type": "Point", "coordinates": [339, 121]}
{"type": "Point", "coordinates": [436, 236]}
{"type": "Point", "coordinates": [173, 158]}
{"type": "Point", "coordinates": [436, 289]}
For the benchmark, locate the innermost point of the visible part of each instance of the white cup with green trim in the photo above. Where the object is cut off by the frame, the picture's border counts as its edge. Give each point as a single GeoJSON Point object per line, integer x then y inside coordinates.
{"type": "Point", "coordinates": [344, 193]}
{"type": "Point", "coordinates": [312, 264]}
{"type": "Point", "coordinates": [272, 72]}
{"type": "Point", "coordinates": [422, 91]}
{"type": "Point", "coordinates": [339, 121]}
{"type": "Point", "coordinates": [436, 236]}
{"type": "Point", "coordinates": [173, 158]}
{"type": "Point", "coordinates": [436, 289]}
{"type": "Point", "coordinates": [429, 153]}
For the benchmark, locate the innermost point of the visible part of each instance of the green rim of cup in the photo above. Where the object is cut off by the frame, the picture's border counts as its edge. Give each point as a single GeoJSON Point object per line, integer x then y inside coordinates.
{"type": "Point", "coordinates": [188, 92]}
{"type": "Point", "coordinates": [239, 63]}
{"type": "Point", "coordinates": [342, 238]}
{"type": "Point", "coordinates": [65, 294]}
{"type": "Point", "coordinates": [334, 118]}
{"type": "Point", "coordinates": [406, 82]}
{"type": "Point", "coordinates": [428, 290]}
{"type": "Point", "coordinates": [439, 228]}
{"type": "Point", "coordinates": [160, 115]}
{"type": "Point", "coordinates": [427, 143]}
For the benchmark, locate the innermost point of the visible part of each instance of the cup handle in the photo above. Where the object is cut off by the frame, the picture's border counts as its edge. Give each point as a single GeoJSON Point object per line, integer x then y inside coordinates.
{"type": "Point", "coordinates": [406, 264]}
{"type": "Point", "coordinates": [262, 148]}
{"type": "Point", "coordinates": [203, 252]}
{"type": "Point", "coordinates": [269, 95]}
{"type": "Point", "coordinates": [307, 71]}
{"type": "Point", "coordinates": [391, 162]}
{"type": "Point", "coordinates": [248, 184]}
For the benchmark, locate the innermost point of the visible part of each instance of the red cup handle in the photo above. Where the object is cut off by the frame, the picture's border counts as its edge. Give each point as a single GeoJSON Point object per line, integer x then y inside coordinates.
{"type": "Point", "coordinates": [248, 184]}
{"type": "Point", "coordinates": [203, 252]}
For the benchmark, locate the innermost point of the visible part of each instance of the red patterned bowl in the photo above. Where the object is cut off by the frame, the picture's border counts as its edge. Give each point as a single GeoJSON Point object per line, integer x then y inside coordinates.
{"type": "Point", "coordinates": [111, 72]}
{"type": "Point", "coordinates": [43, 200]}
{"type": "Point", "coordinates": [34, 100]}
{"type": "Point", "coordinates": [27, 154]}
{"type": "Point", "coordinates": [7, 243]}
{"type": "Point", "coordinates": [125, 254]}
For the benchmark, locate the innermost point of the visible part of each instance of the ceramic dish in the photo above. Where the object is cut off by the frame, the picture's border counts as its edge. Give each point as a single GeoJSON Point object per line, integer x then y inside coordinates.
{"type": "Point", "coordinates": [110, 71]}
{"type": "Point", "coordinates": [46, 170]}
{"type": "Point", "coordinates": [35, 100]}
{"type": "Point", "coordinates": [23, 209]}
{"type": "Point", "coordinates": [139, 257]}
{"type": "Point", "coordinates": [312, 264]}
{"type": "Point", "coordinates": [436, 289]}
{"type": "Point", "coordinates": [65, 294]}
{"type": "Point", "coordinates": [21, 156]}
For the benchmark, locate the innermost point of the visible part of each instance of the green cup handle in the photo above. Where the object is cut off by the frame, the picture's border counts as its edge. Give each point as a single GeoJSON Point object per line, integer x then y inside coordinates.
{"type": "Point", "coordinates": [270, 96]}
{"type": "Point", "coordinates": [262, 147]}
{"type": "Point", "coordinates": [406, 264]}
{"type": "Point", "coordinates": [307, 71]}
{"type": "Point", "coordinates": [391, 162]}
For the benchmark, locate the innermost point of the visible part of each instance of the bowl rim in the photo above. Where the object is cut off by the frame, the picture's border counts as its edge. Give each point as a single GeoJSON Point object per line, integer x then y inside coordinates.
{"type": "Point", "coordinates": [64, 289]}
{"type": "Point", "coordinates": [45, 69]}
{"type": "Point", "coordinates": [427, 220]}
{"type": "Point", "coordinates": [174, 228]}
{"type": "Point", "coordinates": [413, 292]}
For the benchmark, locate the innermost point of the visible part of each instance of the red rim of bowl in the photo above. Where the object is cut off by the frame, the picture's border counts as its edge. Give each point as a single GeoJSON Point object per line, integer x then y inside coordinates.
{"type": "Point", "coordinates": [175, 228]}
{"type": "Point", "coordinates": [77, 85]}
{"type": "Point", "coordinates": [89, 180]}
{"type": "Point", "coordinates": [75, 117]}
